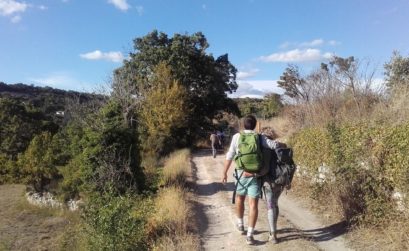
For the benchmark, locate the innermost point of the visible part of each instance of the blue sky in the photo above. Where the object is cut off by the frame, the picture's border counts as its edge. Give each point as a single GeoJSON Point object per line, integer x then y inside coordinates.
{"type": "Point", "coordinates": [75, 44]}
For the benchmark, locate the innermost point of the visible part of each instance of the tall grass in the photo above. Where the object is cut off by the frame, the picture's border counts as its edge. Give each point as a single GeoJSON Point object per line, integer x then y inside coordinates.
{"type": "Point", "coordinates": [172, 211]}
{"type": "Point", "coordinates": [170, 227]}
{"type": "Point", "coordinates": [177, 167]}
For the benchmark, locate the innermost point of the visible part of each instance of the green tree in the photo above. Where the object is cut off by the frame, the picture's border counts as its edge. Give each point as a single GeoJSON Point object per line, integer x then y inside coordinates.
{"type": "Point", "coordinates": [164, 110]}
{"type": "Point", "coordinates": [206, 79]}
{"type": "Point", "coordinates": [397, 71]}
{"type": "Point", "coordinates": [271, 105]}
{"type": "Point", "coordinates": [19, 124]}
{"type": "Point", "coordinates": [110, 156]}
{"type": "Point", "coordinates": [37, 162]}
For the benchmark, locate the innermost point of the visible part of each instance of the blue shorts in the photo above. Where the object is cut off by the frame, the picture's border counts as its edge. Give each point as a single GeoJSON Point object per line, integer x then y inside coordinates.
{"type": "Point", "coordinates": [248, 186]}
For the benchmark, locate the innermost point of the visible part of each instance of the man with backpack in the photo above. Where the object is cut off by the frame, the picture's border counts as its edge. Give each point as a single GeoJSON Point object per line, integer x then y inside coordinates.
{"type": "Point", "coordinates": [246, 150]}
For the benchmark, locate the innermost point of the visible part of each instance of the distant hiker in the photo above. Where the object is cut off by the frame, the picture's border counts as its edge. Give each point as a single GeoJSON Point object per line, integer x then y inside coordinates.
{"type": "Point", "coordinates": [277, 173]}
{"type": "Point", "coordinates": [214, 140]}
{"type": "Point", "coordinates": [220, 135]}
{"type": "Point", "coordinates": [245, 149]}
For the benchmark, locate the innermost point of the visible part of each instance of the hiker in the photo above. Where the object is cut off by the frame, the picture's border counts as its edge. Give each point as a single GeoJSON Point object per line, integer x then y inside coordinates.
{"type": "Point", "coordinates": [220, 135]}
{"type": "Point", "coordinates": [214, 140]}
{"type": "Point", "coordinates": [273, 182]}
{"type": "Point", "coordinates": [247, 183]}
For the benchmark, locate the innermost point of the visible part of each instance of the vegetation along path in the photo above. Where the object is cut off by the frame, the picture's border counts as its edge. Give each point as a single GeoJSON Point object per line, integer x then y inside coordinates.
{"type": "Point", "coordinates": [298, 228]}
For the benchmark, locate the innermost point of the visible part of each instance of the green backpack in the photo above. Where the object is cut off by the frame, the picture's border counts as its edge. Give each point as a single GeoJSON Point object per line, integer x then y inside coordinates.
{"type": "Point", "coordinates": [249, 156]}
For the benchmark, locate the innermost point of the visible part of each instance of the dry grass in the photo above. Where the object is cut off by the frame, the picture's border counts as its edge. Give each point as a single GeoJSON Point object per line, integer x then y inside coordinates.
{"type": "Point", "coordinates": [177, 167]}
{"type": "Point", "coordinates": [173, 211]}
{"type": "Point", "coordinates": [181, 243]}
{"type": "Point", "coordinates": [393, 236]}
{"type": "Point", "coordinates": [27, 227]}
{"type": "Point", "coordinates": [280, 125]}
{"type": "Point", "coordinates": [170, 226]}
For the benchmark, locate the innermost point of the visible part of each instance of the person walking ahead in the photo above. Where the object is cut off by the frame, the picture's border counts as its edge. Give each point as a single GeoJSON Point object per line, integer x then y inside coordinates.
{"type": "Point", "coordinates": [247, 183]}
{"type": "Point", "coordinates": [214, 140]}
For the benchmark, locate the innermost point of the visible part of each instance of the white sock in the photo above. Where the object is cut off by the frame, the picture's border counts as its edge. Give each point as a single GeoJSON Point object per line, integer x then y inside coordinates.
{"type": "Point", "coordinates": [240, 221]}
{"type": "Point", "coordinates": [250, 231]}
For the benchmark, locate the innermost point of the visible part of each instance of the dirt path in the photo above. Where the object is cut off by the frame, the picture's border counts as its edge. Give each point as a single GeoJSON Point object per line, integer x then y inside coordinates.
{"type": "Point", "coordinates": [217, 218]}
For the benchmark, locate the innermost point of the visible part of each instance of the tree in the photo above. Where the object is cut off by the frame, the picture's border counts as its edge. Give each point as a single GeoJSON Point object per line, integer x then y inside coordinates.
{"type": "Point", "coordinates": [205, 78]}
{"type": "Point", "coordinates": [19, 123]}
{"type": "Point", "coordinates": [295, 86]}
{"type": "Point", "coordinates": [37, 162]}
{"type": "Point", "coordinates": [164, 110]}
{"type": "Point", "coordinates": [271, 105]}
{"type": "Point", "coordinates": [110, 157]}
{"type": "Point", "coordinates": [397, 71]}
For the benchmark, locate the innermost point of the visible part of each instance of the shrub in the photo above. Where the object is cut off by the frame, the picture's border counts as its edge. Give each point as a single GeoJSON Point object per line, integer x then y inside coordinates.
{"type": "Point", "coordinates": [116, 222]}
{"type": "Point", "coordinates": [367, 161]}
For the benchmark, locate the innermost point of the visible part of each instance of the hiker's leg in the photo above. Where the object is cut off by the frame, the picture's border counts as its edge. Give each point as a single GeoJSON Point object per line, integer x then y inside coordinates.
{"type": "Point", "coordinates": [240, 206]}
{"type": "Point", "coordinates": [276, 192]}
{"type": "Point", "coordinates": [253, 212]}
{"type": "Point", "coordinates": [270, 206]}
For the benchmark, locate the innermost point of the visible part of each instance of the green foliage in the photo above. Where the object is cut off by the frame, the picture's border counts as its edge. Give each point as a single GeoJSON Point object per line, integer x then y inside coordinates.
{"type": "Point", "coordinates": [264, 108]}
{"type": "Point", "coordinates": [37, 163]}
{"type": "Point", "coordinates": [368, 162]}
{"type": "Point", "coordinates": [116, 222]}
{"type": "Point", "coordinates": [19, 124]}
{"type": "Point", "coordinates": [164, 111]}
{"type": "Point", "coordinates": [205, 78]}
{"type": "Point", "coordinates": [271, 105]}
{"type": "Point", "coordinates": [109, 156]}
{"type": "Point", "coordinates": [397, 72]}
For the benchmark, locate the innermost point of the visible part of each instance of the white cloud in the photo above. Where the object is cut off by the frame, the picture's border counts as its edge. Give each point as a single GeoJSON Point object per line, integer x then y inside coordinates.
{"type": "Point", "coordinates": [246, 74]}
{"type": "Point", "coordinates": [42, 7]}
{"type": "Point", "coordinates": [256, 88]}
{"type": "Point", "coordinates": [114, 56]}
{"type": "Point", "coordinates": [15, 19]}
{"type": "Point", "coordinates": [296, 55]}
{"type": "Point", "coordinates": [139, 9]}
{"type": "Point", "coordinates": [62, 80]}
{"type": "Point", "coordinates": [11, 7]}
{"type": "Point", "coordinates": [309, 44]}
{"type": "Point", "coordinates": [333, 42]}
{"type": "Point", "coordinates": [313, 43]}
{"type": "Point", "coordinates": [120, 4]}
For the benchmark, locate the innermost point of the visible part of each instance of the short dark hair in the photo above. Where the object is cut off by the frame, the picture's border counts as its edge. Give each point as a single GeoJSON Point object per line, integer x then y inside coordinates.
{"type": "Point", "coordinates": [249, 122]}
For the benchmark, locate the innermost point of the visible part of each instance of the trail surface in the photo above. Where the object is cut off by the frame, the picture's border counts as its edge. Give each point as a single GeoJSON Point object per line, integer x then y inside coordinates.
{"type": "Point", "coordinates": [298, 228]}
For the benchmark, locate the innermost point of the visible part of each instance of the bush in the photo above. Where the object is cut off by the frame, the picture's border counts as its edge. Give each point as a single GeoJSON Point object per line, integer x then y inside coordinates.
{"type": "Point", "coordinates": [116, 222]}
{"type": "Point", "coordinates": [366, 164]}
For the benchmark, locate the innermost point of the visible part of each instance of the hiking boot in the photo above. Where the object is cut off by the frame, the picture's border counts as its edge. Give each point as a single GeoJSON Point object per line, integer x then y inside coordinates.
{"type": "Point", "coordinates": [240, 228]}
{"type": "Point", "coordinates": [250, 240]}
{"type": "Point", "coordinates": [273, 238]}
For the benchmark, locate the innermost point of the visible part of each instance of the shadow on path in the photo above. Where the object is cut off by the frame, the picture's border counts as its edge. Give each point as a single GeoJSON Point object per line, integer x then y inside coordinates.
{"type": "Point", "coordinates": [316, 235]}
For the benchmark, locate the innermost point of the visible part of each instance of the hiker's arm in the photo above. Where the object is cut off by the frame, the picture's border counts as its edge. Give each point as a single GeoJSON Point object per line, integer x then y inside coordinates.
{"type": "Point", "coordinates": [229, 156]}
{"type": "Point", "coordinates": [227, 164]}
{"type": "Point", "coordinates": [269, 143]}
